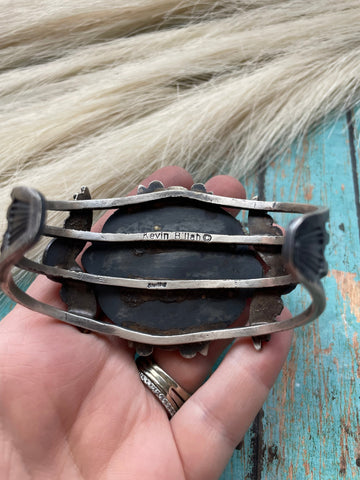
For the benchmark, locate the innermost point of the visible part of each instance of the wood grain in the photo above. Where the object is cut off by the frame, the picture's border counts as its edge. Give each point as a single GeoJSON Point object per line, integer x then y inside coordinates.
{"type": "Point", "coordinates": [309, 427]}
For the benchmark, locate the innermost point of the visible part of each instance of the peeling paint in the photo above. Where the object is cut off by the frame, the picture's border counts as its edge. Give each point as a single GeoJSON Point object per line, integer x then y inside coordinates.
{"type": "Point", "coordinates": [323, 351]}
{"type": "Point", "coordinates": [308, 192]}
{"type": "Point", "coordinates": [291, 472]}
{"type": "Point", "coordinates": [350, 290]}
{"type": "Point", "coordinates": [357, 448]}
{"type": "Point", "coordinates": [336, 363]}
{"type": "Point", "coordinates": [311, 424]}
{"type": "Point", "coordinates": [344, 456]}
{"type": "Point", "coordinates": [357, 353]}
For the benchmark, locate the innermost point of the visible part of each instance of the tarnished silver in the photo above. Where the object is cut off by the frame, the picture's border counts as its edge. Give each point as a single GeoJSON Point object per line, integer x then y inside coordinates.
{"type": "Point", "coordinates": [165, 388]}
{"type": "Point", "coordinates": [302, 260]}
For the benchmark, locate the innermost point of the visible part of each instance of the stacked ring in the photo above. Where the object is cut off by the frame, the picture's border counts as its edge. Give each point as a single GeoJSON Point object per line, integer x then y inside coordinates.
{"type": "Point", "coordinates": [170, 394]}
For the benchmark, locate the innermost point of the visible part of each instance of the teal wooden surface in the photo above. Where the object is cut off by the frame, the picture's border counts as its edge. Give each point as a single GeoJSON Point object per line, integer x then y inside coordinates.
{"type": "Point", "coordinates": [309, 427]}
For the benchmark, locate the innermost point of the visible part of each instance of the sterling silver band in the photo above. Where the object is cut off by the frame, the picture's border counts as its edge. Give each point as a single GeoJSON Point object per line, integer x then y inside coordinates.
{"type": "Point", "coordinates": [169, 393]}
{"type": "Point", "coordinates": [302, 255]}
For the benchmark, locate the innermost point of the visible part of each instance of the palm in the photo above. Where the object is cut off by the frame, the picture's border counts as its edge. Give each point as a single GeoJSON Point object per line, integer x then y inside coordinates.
{"type": "Point", "coordinates": [76, 403]}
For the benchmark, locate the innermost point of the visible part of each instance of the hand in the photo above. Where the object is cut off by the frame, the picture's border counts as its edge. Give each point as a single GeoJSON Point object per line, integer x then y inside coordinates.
{"type": "Point", "coordinates": [72, 405]}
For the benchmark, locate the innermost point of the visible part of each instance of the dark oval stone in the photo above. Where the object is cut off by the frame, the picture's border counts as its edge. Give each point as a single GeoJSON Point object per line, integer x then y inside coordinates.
{"type": "Point", "coordinates": [172, 311]}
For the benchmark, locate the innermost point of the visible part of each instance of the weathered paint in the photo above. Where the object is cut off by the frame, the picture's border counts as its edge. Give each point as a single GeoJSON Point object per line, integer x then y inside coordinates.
{"type": "Point", "coordinates": [310, 426]}
{"type": "Point", "coordinates": [350, 290]}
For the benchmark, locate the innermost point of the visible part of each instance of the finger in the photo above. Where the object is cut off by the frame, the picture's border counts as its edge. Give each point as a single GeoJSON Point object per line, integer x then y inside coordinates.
{"type": "Point", "coordinates": [217, 416]}
{"type": "Point", "coordinates": [190, 373]}
{"type": "Point", "coordinates": [227, 187]}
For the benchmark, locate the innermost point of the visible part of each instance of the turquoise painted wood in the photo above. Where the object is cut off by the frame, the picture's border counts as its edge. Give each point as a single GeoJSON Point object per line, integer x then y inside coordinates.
{"type": "Point", "coordinates": [309, 427]}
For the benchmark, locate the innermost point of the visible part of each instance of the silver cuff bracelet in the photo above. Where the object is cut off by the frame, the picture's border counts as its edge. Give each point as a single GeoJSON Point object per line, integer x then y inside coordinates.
{"type": "Point", "coordinates": [171, 267]}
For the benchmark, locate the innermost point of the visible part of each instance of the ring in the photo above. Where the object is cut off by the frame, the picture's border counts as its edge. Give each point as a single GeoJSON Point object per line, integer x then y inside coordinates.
{"type": "Point", "coordinates": [169, 393]}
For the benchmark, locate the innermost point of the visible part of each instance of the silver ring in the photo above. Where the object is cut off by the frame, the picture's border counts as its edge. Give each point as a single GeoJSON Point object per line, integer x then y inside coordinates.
{"type": "Point", "coordinates": [170, 394]}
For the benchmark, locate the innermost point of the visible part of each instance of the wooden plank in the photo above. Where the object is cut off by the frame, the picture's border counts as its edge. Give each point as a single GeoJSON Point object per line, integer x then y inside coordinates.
{"type": "Point", "coordinates": [310, 428]}
{"type": "Point", "coordinates": [353, 142]}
